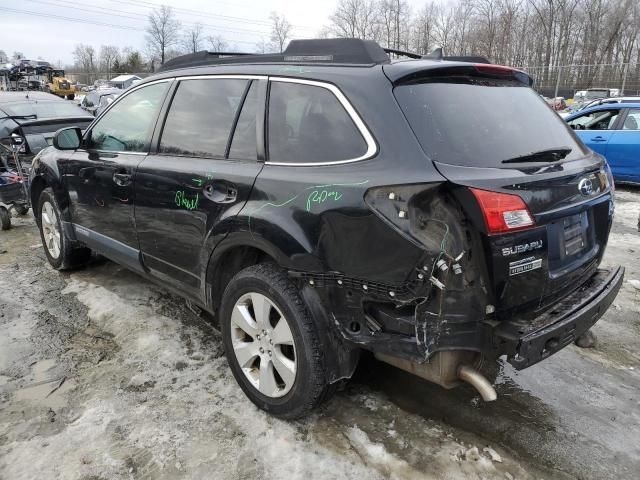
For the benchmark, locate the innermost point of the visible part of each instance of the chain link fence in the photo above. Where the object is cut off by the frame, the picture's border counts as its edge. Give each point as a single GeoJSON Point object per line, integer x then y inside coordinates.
{"type": "Point", "coordinates": [566, 80]}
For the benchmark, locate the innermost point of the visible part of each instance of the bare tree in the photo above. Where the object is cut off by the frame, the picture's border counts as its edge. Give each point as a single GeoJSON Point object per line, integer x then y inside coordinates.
{"type": "Point", "coordinates": [85, 60]}
{"type": "Point", "coordinates": [193, 39]}
{"type": "Point", "coordinates": [163, 31]}
{"type": "Point", "coordinates": [561, 40]}
{"type": "Point", "coordinates": [280, 31]}
{"type": "Point", "coordinates": [356, 18]}
{"type": "Point", "coordinates": [109, 54]}
{"type": "Point", "coordinates": [217, 43]}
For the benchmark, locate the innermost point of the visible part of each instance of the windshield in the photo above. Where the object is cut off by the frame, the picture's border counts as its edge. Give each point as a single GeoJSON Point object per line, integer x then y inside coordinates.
{"type": "Point", "coordinates": [481, 123]}
{"type": "Point", "coordinates": [595, 94]}
{"type": "Point", "coordinates": [44, 109]}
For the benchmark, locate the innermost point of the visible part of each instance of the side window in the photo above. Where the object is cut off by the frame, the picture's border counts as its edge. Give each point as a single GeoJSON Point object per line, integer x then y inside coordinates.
{"type": "Point", "coordinates": [243, 145]}
{"type": "Point", "coordinates": [308, 124]}
{"type": "Point", "coordinates": [201, 117]}
{"type": "Point", "coordinates": [600, 120]}
{"type": "Point", "coordinates": [632, 122]}
{"type": "Point", "coordinates": [128, 126]}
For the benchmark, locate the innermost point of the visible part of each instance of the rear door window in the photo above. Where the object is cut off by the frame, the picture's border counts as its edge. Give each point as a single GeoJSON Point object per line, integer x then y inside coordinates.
{"type": "Point", "coordinates": [632, 122]}
{"type": "Point", "coordinates": [480, 123]}
{"type": "Point", "coordinates": [201, 117]}
{"type": "Point", "coordinates": [308, 124]}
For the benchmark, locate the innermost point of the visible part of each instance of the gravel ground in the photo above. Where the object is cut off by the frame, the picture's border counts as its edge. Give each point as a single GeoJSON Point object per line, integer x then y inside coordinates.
{"type": "Point", "coordinates": [106, 376]}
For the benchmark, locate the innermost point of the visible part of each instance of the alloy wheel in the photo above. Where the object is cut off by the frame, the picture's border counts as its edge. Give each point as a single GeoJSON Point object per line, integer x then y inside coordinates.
{"type": "Point", "coordinates": [263, 344]}
{"type": "Point", "coordinates": [50, 230]}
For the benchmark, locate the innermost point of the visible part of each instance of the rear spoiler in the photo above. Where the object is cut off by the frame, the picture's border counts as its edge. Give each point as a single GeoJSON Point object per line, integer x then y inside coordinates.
{"type": "Point", "coordinates": [417, 71]}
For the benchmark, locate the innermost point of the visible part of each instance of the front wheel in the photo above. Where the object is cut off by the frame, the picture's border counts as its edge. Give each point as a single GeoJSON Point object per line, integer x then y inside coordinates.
{"type": "Point", "coordinates": [61, 250]}
{"type": "Point", "coordinates": [271, 342]}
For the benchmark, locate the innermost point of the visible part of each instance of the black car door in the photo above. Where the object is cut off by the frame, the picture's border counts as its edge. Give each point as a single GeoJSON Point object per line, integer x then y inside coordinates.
{"type": "Point", "coordinates": [198, 174]}
{"type": "Point", "coordinates": [100, 176]}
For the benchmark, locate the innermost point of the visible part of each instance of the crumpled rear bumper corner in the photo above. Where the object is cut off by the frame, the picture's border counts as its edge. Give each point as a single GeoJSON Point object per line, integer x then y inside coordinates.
{"type": "Point", "coordinates": [566, 321]}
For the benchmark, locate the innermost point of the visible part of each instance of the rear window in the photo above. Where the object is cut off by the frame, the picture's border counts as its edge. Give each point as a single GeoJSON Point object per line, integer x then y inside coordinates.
{"type": "Point", "coordinates": [481, 123]}
{"type": "Point", "coordinates": [44, 109]}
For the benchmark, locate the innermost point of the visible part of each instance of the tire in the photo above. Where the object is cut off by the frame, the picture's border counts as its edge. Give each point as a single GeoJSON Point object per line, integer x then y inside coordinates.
{"type": "Point", "coordinates": [21, 209]}
{"type": "Point", "coordinates": [71, 97]}
{"type": "Point", "coordinates": [289, 396]}
{"type": "Point", "coordinates": [61, 251]}
{"type": "Point", "coordinates": [5, 219]}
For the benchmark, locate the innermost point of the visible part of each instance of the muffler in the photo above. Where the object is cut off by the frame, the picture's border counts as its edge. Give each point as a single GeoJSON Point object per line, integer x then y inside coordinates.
{"type": "Point", "coordinates": [447, 369]}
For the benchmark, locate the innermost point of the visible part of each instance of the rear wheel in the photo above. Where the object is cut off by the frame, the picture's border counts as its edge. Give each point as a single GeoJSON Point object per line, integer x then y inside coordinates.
{"type": "Point", "coordinates": [61, 250]}
{"type": "Point", "coordinates": [5, 219]}
{"type": "Point", "coordinates": [271, 342]}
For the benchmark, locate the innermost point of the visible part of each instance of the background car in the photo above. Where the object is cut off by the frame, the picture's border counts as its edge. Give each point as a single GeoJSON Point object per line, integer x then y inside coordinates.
{"type": "Point", "coordinates": [36, 116]}
{"type": "Point", "coordinates": [97, 100]}
{"type": "Point", "coordinates": [613, 130]}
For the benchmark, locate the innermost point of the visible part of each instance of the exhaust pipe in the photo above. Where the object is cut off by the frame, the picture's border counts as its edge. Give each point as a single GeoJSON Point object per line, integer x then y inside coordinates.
{"type": "Point", "coordinates": [478, 381]}
{"type": "Point", "coordinates": [447, 369]}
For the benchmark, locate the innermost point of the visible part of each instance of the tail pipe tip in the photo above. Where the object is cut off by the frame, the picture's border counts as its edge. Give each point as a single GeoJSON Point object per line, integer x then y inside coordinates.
{"type": "Point", "coordinates": [473, 377]}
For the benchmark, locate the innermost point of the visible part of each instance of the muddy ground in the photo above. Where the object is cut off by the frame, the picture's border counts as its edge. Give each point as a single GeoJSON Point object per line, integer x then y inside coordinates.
{"type": "Point", "coordinates": [106, 376]}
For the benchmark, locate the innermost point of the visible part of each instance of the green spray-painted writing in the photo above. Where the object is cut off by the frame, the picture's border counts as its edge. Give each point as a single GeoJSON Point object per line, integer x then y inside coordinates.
{"type": "Point", "coordinates": [321, 196]}
{"type": "Point", "coordinates": [182, 200]}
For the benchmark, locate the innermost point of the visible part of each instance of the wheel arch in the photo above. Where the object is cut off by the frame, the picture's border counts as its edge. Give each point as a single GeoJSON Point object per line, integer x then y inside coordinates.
{"type": "Point", "coordinates": [225, 262]}
{"type": "Point", "coordinates": [238, 251]}
{"type": "Point", "coordinates": [45, 174]}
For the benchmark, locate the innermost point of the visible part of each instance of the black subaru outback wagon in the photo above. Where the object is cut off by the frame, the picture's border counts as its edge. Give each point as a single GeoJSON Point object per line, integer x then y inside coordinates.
{"type": "Point", "coordinates": [328, 200]}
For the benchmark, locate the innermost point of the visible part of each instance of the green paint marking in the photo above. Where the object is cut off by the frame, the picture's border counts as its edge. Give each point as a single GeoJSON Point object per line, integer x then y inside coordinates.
{"type": "Point", "coordinates": [335, 196]}
{"type": "Point", "coordinates": [321, 196]}
{"type": "Point", "coordinates": [197, 181]}
{"type": "Point", "coordinates": [183, 201]}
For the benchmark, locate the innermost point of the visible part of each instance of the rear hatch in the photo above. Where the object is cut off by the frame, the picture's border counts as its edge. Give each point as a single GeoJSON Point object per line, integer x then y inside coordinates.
{"type": "Point", "coordinates": [540, 200]}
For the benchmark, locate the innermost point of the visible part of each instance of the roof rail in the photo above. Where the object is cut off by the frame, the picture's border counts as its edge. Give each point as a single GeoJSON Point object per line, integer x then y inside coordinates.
{"type": "Point", "coordinates": [315, 51]}
{"type": "Point", "coordinates": [334, 51]}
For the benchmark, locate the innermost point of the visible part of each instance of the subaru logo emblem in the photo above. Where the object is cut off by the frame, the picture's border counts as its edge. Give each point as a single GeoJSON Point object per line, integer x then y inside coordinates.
{"type": "Point", "coordinates": [586, 187]}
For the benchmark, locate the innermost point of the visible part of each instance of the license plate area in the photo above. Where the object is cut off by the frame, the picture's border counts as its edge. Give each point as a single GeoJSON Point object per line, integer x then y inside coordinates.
{"type": "Point", "coordinates": [570, 239]}
{"type": "Point", "coordinates": [574, 237]}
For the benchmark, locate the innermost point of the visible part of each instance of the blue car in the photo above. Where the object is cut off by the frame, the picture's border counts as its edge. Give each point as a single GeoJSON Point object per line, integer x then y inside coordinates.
{"type": "Point", "coordinates": [613, 130]}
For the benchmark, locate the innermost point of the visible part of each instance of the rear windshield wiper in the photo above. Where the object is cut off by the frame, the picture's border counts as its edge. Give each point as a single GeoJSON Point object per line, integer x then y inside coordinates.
{"type": "Point", "coordinates": [550, 155]}
{"type": "Point", "coordinates": [20, 117]}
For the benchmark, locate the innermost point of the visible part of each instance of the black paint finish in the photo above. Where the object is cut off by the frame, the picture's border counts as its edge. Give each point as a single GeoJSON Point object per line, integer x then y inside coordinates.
{"type": "Point", "coordinates": [390, 252]}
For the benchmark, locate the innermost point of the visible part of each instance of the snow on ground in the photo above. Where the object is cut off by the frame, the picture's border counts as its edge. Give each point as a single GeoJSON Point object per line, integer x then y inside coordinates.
{"type": "Point", "coordinates": [163, 404]}
{"type": "Point", "coordinates": [106, 376]}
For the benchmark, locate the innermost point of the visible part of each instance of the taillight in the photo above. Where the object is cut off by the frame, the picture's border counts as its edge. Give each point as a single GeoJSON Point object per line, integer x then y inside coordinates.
{"type": "Point", "coordinates": [503, 212]}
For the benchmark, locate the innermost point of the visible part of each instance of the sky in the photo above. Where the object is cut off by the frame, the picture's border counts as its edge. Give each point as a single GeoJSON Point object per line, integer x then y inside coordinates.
{"type": "Point", "coordinates": [51, 28]}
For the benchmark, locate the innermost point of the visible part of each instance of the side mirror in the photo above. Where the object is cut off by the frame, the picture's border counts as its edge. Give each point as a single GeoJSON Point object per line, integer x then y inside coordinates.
{"type": "Point", "coordinates": [67, 138]}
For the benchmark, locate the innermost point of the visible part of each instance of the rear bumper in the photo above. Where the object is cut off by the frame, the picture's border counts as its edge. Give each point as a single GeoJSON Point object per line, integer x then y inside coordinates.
{"type": "Point", "coordinates": [527, 344]}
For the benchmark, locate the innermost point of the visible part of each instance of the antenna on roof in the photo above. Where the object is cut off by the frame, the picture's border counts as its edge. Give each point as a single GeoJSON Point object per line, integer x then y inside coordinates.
{"type": "Point", "coordinates": [435, 55]}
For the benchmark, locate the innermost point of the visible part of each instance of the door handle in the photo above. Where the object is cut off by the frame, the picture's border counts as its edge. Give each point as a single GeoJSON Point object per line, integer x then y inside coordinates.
{"type": "Point", "coordinates": [122, 179]}
{"type": "Point", "coordinates": [221, 192]}
{"type": "Point", "coordinates": [599, 138]}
